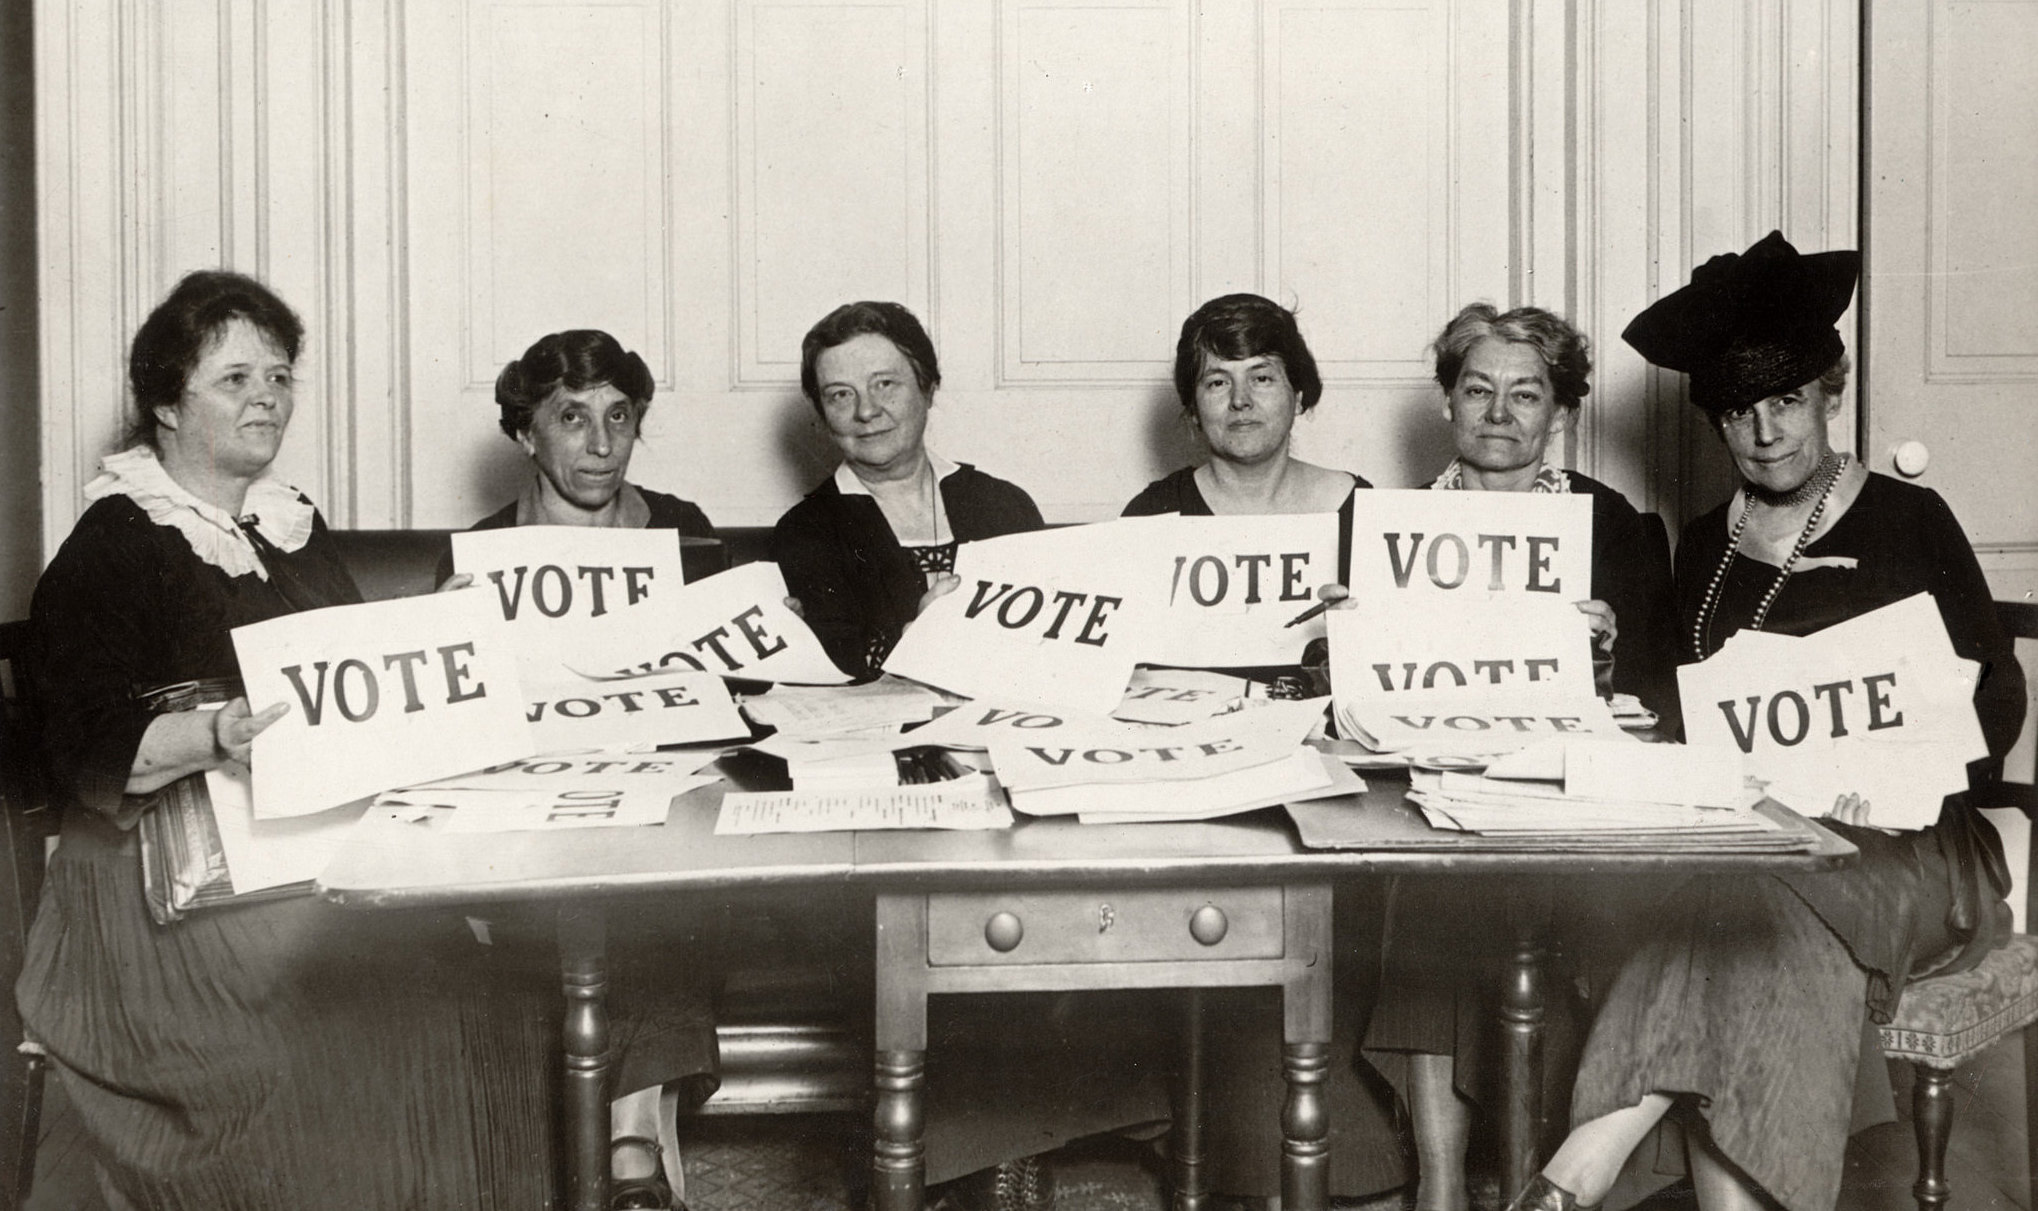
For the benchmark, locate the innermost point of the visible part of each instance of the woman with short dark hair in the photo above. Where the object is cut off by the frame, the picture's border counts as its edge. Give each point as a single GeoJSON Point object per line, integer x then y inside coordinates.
{"type": "Point", "coordinates": [1244, 375]}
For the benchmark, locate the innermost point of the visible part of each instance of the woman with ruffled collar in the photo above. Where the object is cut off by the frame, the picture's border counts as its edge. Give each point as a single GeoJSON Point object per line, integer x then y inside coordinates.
{"type": "Point", "coordinates": [271, 1053]}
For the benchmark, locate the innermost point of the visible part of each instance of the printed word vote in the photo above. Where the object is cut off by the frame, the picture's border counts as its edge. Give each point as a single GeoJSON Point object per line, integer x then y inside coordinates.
{"type": "Point", "coordinates": [1788, 717]}
{"type": "Point", "coordinates": [1448, 560]}
{"type": "Point", "coordinates": [1492, 672]}
{"type": "Point", "coordinates": [1020, 608]}
{"type": "Point", "coordinates": [628, 701]}
{"type": "Point", "coordinates": [552, 591]}
{"type": "Point", "coordinates": [721, 641]}
{"type": "Point", "coordinates": [356, 685]}
{"type": "Point", "coordinates": [1210, 581]}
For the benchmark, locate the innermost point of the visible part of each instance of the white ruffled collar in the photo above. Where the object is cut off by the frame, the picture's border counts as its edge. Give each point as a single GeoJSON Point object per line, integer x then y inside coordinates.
{"type": "Point", "coordinates": [276, 509]}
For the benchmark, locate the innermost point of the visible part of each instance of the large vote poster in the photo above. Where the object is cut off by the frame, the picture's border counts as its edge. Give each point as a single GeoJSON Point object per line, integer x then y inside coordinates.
{"type": "Point", "coordinates": [380, 695]}
{"type": "Point", "coordinates": [1878, 706]}
{"type": "Point", "coordinates": [575, 597]}
{"type": "Point", "coordinates": [1052, 618]}
{"type": "Point", "coordinates": [735, 623]}
{"type": "Point", "coordinates": [1228, 587]}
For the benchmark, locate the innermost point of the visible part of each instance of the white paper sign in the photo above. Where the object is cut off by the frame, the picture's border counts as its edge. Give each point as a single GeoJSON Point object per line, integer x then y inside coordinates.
{"type": "Point", "coordinates": [1469, 726]}
{"type": "Point", "coordinates": [261, 854]}
{"type": "Point", "coordinates": [1811, 712]}
{"type": "Point", "coordinates": [660, 708]}
{"type": "Point", "coordinates": [1229, 586]}
{"type": "Point", "coordinates": [1526, 645]}
{"type": "Point", "coordinates": [551, 808]}
{"type": "Point", "coordinates": [1203, 749]}
{"type": "Point", "coordinates": [1172, 696]}
{"type": "Point", "coordinates": [577, 596]}
{"type": "Point", "coordinates": [969, 802]}
{"type": "Point", "coordinates": [1437, 547]}
{"type": "Point", "coordinates": [1053, 617]}
{"type": "Point", "coordinates": [735, 623]}
{"type": "Point", "coordinates": [380, 694]}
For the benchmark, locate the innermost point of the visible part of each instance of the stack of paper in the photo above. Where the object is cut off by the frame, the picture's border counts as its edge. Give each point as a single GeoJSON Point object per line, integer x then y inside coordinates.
{"type": "Point", "coordinates": [817, 713]}
{"type": "Point", "coordinates": [1115, 772]}
{"type": "Point", "coordinates": [551, 793]}
{"type": "Point", "coordinates": [1605, 792]}
{"type": "Point", "coordinates": [1878, 706]}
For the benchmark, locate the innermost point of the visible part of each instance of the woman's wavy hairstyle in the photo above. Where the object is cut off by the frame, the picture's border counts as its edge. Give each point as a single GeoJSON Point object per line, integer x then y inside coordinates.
{"type": "Point", "coordinates": [1564, 349]}
{"type": "Point", "coordinates": [183, 326]}
{"type": "Point", "coordinates": [1234, 327]}
{"type": "Point", "coordinates": [575, 360]}
{"type": "Point", "coordinates": [851, 320]}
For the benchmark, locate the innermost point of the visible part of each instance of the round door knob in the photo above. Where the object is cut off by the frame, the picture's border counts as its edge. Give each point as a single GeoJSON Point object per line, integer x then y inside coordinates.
{"type": "Point", "coordinates": [1208, 926]}
{"type": "Point", "coordinates": [1911, 459]}
{"type": "Point", "coordinates": [1003, 932]}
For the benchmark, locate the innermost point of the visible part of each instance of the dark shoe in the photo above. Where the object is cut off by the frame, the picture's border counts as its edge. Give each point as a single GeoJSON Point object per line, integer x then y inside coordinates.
{"type": "Point", "coordinates": [1026, 1184]}
{"type": "Point", "coordinates": [652, 1193]}
{"type": "Point", "coordinates": [1542, 1194]}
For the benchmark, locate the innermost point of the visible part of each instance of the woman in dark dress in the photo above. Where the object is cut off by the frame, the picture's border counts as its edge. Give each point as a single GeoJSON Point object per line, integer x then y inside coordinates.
{"type": "Point", "coordinates": [1511, 381]}
{"type": "Point", "coordinates": [1244, 375]}
{"type": "Point", "coordinates": [866, 550]}
{"type": "Point", "coordinates": [1747, 1011]}
{"type": "Point", "coordinates": [252, 1055]}
{"type": "Point", "coordinates": [575, 401]}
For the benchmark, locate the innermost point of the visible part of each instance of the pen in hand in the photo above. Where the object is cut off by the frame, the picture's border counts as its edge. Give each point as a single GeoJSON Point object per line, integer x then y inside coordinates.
{"type": "Point", "coordinates": [1312, 612]}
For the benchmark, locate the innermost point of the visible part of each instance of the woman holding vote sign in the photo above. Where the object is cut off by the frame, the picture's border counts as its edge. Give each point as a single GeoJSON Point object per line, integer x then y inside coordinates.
{"type": "Point", "coordinates": [1244, 375]}
{"type": "Point", "coordinates": [1511, 382]}
{"type": "Point", "coordinates": [1746, 1012]}
{"type": "Point", "coordinates": [868, 548]}
{"type": "Point", "coordinates": [276, 1053]}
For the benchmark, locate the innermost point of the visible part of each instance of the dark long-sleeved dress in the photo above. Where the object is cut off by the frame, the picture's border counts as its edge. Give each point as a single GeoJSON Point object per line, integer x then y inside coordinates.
{"type": "Point", "coordinates": [1755, 999]}
{"type": "Point", "coordinates": [1242, 1138]}
{"type": "Point", "coordinates": [856, 585]}
{"type": "Point", "coordinates": [282, 1053]}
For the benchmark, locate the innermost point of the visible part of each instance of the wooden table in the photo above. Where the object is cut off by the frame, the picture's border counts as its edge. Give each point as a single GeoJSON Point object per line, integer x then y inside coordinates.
{"type": "Point", "coordinates": [1064, 864]}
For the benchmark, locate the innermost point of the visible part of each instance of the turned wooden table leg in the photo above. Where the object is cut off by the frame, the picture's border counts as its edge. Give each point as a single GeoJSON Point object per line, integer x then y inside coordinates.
{"type": "Point", "coordinates": [1305, 1128]}
{"type": "Point", "coordinates": [898, 1163]}
{"type": "Point", "coordinates": [583, 966]}
{"type": "Point", "coordinates": [1521, 1027]}
{"type": "Point", "coordinates": [1185, 1143]}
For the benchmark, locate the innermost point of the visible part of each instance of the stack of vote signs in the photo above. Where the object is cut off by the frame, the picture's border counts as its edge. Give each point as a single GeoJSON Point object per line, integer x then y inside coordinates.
{"type": "Point", "coordinates": [1878, 706]}
{"type": "Point", "coordinates": [1109, 771]}
{"type": "Point", "coordinates": [1464, 640]}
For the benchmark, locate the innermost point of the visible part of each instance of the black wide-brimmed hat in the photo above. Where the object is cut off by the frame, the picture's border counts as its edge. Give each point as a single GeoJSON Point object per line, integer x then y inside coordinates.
{"type": "Point", "coordinates": [1751, 325]}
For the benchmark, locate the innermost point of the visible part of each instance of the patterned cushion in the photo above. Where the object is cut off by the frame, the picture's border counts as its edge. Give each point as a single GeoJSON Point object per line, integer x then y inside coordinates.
{"type": "Point", "coordinates": [1943, 1020]}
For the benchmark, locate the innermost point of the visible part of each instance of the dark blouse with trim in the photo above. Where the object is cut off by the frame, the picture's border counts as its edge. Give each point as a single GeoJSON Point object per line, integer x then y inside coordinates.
{"type": "Point", "coordinates": [856, 585]}
{"type": "Point", "coordinates": [127, 606]}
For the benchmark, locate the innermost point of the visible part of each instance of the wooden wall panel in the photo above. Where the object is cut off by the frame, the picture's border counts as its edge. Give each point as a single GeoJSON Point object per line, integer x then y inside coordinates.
{"type": "Point", "coordinates": [831, 170]}
{"type": "Point", "coordinates": [1093, 188]}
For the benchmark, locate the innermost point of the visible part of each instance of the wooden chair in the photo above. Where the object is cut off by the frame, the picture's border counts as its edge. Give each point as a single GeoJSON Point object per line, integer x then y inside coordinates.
{"type": "Point", "coordinates": [1944, 1021]}
{"type": "Point", "coordinates": [26, 824]}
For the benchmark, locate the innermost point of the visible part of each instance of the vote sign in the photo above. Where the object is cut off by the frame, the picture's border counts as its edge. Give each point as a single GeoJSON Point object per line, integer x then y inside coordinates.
{"type": "Point", "coordinates": [382, 694]}
{"type": "Point", "coordinates": [576, 595]}
{"type": "Point", "coordinates": [1052, 618]}
{"type": "Point", "coordinates": [1440, 547]}
{"type": "Point", "coordinates": [736, 624]}
{"type": "Point", "coordinates": [1231, 585]}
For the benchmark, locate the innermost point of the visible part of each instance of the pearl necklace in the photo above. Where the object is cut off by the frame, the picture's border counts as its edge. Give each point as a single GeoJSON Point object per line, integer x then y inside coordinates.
{"type": "Point", "coordinates": [1828, 475]}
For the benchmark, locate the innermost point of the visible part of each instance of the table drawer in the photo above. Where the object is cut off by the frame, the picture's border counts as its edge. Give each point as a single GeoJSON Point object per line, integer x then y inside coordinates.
{"type": "Point", "coordinates": [1100, 926]}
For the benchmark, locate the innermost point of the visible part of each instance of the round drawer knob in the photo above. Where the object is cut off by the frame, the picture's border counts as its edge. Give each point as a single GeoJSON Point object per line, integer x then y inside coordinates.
{"type": "Point", "coordinates": [1003, 932]}
{"type": "Point", "coordinates": [1208, 926]}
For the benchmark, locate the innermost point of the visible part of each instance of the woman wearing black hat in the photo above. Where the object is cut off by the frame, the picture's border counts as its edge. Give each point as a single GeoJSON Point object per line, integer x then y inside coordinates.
{"type": "Point", "coordinates": [1747, 1011]}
